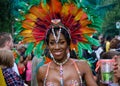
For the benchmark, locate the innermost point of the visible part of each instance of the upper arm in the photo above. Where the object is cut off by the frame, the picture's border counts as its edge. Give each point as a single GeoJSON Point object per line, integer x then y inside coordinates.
{"type": "Point", "coordinates": [40, 77]}
{"type": "Point", "coordinates": [90, 81]}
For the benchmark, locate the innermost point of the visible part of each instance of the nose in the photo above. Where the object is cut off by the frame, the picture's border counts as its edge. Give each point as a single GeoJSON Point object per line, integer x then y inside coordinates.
{"type": "Point", "coordinates": [56, 46]}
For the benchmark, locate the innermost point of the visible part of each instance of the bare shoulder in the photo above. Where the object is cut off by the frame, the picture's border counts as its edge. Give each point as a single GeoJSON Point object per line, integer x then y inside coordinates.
{"type": "Point", "coordinates": [82, 65]}
{"type": "Point", "coordinates": [81, 62]}
{"type": "Point", "coordinates": [42, 70]}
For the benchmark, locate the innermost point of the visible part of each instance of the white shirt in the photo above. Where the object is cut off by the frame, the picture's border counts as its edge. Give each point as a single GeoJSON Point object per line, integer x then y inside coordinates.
{"type": "Point", "coordinates": [15, 68]}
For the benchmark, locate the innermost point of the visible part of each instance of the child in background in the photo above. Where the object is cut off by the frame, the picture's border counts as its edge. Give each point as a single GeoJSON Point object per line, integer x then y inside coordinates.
{"type": "Point", "coordinates": [29, 70]}
{"type": "Point", "coordinates": [6, 63]}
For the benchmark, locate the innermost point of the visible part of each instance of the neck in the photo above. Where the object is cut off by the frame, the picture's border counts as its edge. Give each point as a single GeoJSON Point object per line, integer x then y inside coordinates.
{"type": "Point", "coordinates": [61, 63]}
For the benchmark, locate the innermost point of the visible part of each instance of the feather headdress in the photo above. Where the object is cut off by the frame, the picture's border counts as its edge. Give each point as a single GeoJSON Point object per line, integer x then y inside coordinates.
{"type": "Point", "coordinates": [35, 18]}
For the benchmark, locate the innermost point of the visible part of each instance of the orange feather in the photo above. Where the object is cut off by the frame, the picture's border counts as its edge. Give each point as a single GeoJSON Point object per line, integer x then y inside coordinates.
{"type": "Point", "coordinates": [31, 16]}
{"type": "Point", "coordinates": [84, 16]}
{"type": "Point", "coordinates": [86, 30]}
{"type": "Point", "coordinates": [38, 12]}
{"type": "Point", "coordinates": [28, 24]}
{"type": "Point", "coordinates": [85, 22]}
{"type": "Point", "coordinates": [28, 40]}
{"type": "Point", "coordinates": [55, 6]}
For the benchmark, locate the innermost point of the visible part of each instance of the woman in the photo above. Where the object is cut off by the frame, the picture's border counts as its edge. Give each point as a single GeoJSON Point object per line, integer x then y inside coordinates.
{"type": "Point", "coordinates": [63, 70]}
{"type": "Point", "coordinates": [80, 23]}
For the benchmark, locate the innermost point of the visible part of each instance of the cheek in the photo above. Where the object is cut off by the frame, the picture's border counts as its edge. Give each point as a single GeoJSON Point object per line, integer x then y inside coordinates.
{"type": "Point", "coordinates": [11, 44]}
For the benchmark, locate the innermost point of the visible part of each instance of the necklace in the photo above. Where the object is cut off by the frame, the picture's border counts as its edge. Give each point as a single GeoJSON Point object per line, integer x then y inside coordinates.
{"type": "Point", "coordinates": [61, 69]}
{"type": "Point", "coordinates": [62, 62]}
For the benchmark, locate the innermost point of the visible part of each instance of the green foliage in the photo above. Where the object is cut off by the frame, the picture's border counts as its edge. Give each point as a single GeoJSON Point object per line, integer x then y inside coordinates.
{"type": "Point", "coordinates": [112, 16]}
{"type": "Point", "coordinates": [5, 16]}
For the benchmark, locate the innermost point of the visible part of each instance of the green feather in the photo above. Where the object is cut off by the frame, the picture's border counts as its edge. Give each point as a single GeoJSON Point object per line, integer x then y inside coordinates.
{"type": "Point", "coordinates": [80, 52]}
{"type": "Point", "coordinates": [92, 41]}
{"type": "Point", "coordinates": [34, 2]}
{"type": "Point", "coordinates": [85, 46]}
{"type": "Point", "coordinates": [38, 51]}
{"type": "Point", "coordinates": [29, 49]}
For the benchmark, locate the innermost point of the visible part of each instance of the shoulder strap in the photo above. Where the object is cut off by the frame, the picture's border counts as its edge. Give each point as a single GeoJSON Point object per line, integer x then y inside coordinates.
{"type": "Point", "coordinates": [76, 67]}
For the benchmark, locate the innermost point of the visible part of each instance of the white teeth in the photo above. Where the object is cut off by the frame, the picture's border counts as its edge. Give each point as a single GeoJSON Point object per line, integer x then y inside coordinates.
{"type": "Point", "coordinates": [57, 53]}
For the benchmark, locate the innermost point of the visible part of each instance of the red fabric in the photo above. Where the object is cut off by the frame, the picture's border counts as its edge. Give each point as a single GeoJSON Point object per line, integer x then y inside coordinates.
{"type": "Point", "coordinates": [21, 69]}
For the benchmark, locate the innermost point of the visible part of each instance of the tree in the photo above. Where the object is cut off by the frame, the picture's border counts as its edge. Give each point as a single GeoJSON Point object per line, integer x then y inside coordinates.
{"type": "Point", "coordinates": [112, 16]}
{"type": "Point", "coordinates": [5, 16]}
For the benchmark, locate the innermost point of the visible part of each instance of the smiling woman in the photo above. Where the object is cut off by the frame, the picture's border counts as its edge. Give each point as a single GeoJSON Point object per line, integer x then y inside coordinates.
{"type": "Point", "coordinates": [58, 72]}
{"type": "Point", "coordinates": [65, 26]}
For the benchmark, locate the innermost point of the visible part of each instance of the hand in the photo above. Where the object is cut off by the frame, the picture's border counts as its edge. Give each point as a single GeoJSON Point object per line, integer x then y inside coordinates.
{"type": "Point", "coordinates": [116, 72]}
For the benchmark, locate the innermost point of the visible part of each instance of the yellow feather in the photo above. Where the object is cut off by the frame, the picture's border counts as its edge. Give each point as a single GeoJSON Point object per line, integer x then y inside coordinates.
{"type": "Point", "coordinates": [65, 9]}
{"type": "Point", "coordinates": [28, 24]}
{"type": "Point", "coordinates": [79, 15]}
{"type": "Point", "coordinates": [31, 16]}
{"type": "Point", "coordinates": [27, 34]}
{"type": "Point", "coordinates": [28, 40]}
{"type": "Point", "coordinates": [45, 7]}
{"type": "Point", "coordinates": [24, 32]}
{"type": "Point", "coordinates": [85, 22]}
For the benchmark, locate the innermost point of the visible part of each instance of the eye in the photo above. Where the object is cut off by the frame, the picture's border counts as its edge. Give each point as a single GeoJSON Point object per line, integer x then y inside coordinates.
{"type": "Point", "coordinates": [52, 43]}
{"type": "Point", "coordinates": [62, 42]}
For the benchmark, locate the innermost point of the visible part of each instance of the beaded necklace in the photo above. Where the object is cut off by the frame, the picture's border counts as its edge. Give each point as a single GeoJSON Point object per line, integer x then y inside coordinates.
{"type": "Point", "coordinates": [60, 64]}
{"type": "Point", "coordinates": [61, 69]}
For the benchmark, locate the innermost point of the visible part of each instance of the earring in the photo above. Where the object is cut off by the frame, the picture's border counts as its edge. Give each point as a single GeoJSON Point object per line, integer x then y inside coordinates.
{"type": "Point", "coordinates": [68, 52]}
{"type": "Point", "coordinates": [51, 55]}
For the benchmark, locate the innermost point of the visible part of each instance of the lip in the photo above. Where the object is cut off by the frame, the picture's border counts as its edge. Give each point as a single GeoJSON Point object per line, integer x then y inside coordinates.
{"type": "Point", "coordinates": [58, 53]}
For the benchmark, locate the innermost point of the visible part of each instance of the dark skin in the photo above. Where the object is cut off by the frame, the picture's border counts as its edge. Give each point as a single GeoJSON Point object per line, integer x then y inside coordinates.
{"type": "Point", "coordinates": [69, 72]}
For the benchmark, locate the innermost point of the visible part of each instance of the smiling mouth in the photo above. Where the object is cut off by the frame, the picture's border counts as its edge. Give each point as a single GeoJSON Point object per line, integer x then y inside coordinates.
{"type": "Point", "coordinates": [57, 53]}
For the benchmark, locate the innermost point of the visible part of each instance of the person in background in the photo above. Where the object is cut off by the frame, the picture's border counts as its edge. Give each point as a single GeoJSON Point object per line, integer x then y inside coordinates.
{"type": "Point", "coordinates": [6, 63]}
{"type": "Point", "coordinates": [117, 68]}
{"type": "Point", "coordinates": [109, 55]}
{"type": "Point", "coordinates": [21, 68]}
{"type": "Point", "coordinates": [29, 69]}
{"type": "Point", "coordinates": [107, 43]}
{"type": "Point", "coordinates": [115, 44]}
{"type": "Point", "coordinates": [6, 42]}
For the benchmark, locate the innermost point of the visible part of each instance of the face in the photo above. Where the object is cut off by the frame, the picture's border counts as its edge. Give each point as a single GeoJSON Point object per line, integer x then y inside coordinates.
{"type": "Point", "coordinates": [58, 49]}
{"type": "Point", "coordinates": [10, 43]}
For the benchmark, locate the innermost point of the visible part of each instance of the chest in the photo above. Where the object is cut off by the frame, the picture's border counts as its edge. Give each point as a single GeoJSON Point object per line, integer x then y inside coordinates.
{"type": "Point", "coordinates": [70, 76]}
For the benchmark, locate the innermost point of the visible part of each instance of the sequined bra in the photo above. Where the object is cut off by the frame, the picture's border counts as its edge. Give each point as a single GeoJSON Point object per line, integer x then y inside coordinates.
{"type": "Point", "coordinates": [73, 82]}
